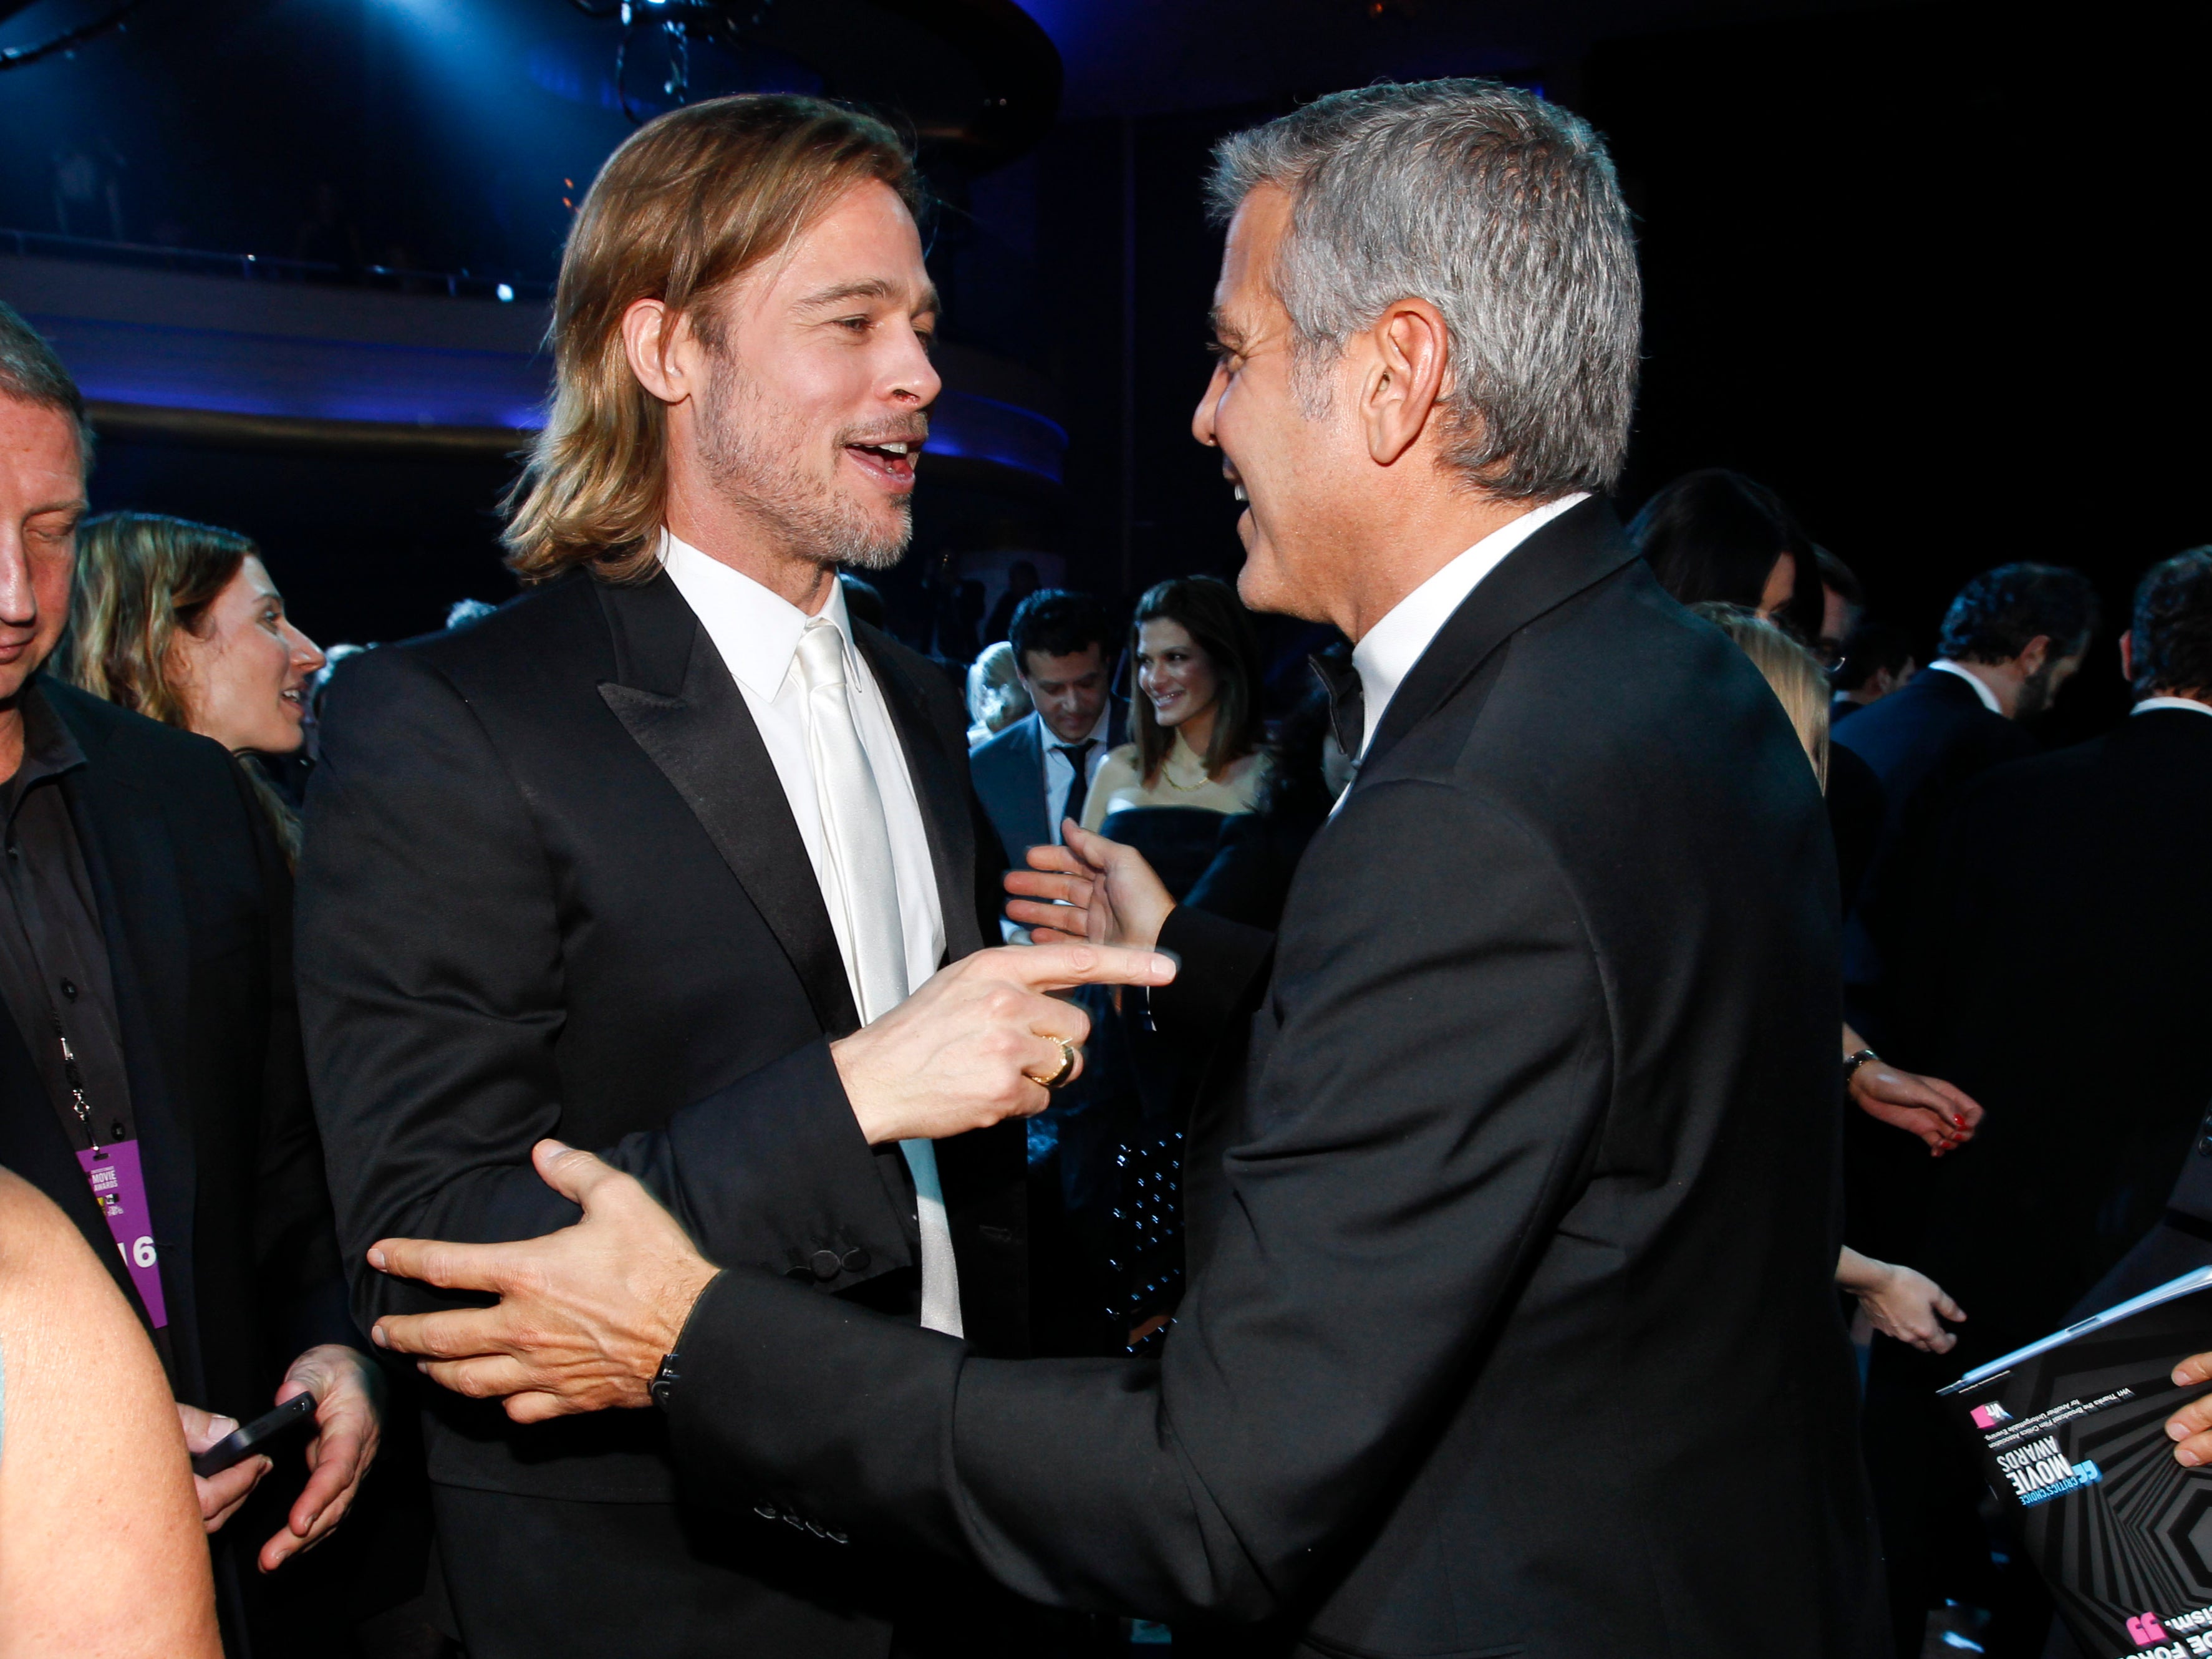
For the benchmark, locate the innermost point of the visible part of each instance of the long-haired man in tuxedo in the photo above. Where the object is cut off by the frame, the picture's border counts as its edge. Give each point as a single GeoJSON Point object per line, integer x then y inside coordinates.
{"type": "Point", "coordinates": [1510, 1327]}
{"type": "Point", "coordinates": [630, 860]}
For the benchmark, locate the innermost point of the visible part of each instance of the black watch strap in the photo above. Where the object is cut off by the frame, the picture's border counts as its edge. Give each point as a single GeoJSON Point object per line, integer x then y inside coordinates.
{"type": "Point", "coordinates": [1852, 1062]}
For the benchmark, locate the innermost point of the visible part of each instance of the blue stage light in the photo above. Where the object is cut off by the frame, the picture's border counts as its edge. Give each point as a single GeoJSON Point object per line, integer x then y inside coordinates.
{"type": "Point", "coordinates": [505, 292]}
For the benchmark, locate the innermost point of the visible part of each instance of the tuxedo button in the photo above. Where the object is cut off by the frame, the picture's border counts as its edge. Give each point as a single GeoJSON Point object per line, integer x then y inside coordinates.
{"type": "Point", "coordinates": [856, 1260]}
{"type": "Point", "coordinates": [801, 1272]}
{"type": "Point", "coordinates": [767, 1511]}
{"type": "Point", "coordinates": [825, 1264]}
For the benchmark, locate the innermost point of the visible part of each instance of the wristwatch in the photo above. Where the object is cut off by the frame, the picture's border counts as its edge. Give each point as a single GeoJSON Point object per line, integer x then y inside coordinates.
{"type": "Point", "coordinates": [1851, 1063]}
{"type": "Point", "coordinates": [666, 1379]}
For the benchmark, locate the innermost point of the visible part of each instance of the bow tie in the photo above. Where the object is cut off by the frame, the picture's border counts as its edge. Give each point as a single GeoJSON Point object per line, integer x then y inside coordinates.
{"type": "Point", "coordinates": [1348, 706]}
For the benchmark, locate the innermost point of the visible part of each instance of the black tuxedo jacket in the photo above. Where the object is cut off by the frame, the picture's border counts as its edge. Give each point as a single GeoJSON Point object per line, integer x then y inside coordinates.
{"type": "Point", "coordinates": [196, 904]}
{"type": "Point", "coordinates": [1923, 742]}
{"type": "Point", "coordinates": [1510, 1326]}
{"type": "Point", "coordinates": [2063, 988]}
{"type": "Point", "coordinates": [552, 887]}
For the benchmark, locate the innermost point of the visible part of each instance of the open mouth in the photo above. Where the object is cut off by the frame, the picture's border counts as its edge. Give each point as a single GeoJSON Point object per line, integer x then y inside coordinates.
{"type": "Point", "coordinates": [294, 697]}
{"type": "Point", "coordinates": [891, 463]}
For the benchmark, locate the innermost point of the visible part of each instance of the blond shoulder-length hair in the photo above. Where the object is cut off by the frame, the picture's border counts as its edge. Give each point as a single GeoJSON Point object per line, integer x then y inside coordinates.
{"type": "Point", "coordinates": [1799, 681]}
{"type": "Point", "coordinates": [691, 202]}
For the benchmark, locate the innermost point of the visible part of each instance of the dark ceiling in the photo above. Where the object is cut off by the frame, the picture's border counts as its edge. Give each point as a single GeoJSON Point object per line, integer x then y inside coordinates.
{"type": "Point", "coordinates": [1149, 57]}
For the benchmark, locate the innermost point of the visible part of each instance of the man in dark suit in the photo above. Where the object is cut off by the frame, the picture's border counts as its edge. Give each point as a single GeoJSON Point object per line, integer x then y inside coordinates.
{"type": "Point", "coordinates": [2011, 639]}
{"type": "Point", "coordinates": [1510, 1327]}
{"type": "Point", "coordinates": [2068, 902]}
{"type": "Point", "coordinates": [151, 1074]}
{"type": "Point", "coordinates": [1035, 774]}
{"type": "Point", "coordinates": [632, 859]}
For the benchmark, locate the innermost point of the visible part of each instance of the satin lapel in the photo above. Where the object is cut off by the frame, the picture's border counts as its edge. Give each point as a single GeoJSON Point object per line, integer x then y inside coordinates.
{"type": "Point", "coordinates": [681, 707]}
{"type": "Point", "coordinates": [131, 861]}
{"type": "Point", "coordinates": [941, 784]}
{"type": "Point", "coordinates": [1575, 550]}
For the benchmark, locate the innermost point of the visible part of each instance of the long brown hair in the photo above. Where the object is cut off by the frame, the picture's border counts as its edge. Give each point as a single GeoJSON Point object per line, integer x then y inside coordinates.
{"type": "Point", "coordinates": [140, 578]}
{"type": "Point", "coordinates": [1212, 615]}
{"type": "Point", "coordinates": [690, 203]}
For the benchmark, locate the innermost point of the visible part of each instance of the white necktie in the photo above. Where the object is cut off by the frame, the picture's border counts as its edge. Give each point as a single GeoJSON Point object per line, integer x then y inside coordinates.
{"type": "Point", "coordinates": [868, 888]}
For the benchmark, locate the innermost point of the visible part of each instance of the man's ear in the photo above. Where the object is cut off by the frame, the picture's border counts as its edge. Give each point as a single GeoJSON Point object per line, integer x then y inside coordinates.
{"type": "Point", "coordinates": [652, 335]}
{"type": "Point", "coordinates": [2035, 654]}
{"type": "Point", "coordinates": [1406, 376]}
{"type": "Point", "coordinates": [2128, 656]}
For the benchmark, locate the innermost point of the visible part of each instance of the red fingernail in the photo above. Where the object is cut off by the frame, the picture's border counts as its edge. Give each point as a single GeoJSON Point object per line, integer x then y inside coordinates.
{"type": "Point", "coordinates": [1960, 1122]}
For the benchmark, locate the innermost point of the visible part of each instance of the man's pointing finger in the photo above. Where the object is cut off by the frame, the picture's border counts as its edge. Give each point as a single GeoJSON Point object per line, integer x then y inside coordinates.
{"type": "Point", "coordinates": [1057, 967]}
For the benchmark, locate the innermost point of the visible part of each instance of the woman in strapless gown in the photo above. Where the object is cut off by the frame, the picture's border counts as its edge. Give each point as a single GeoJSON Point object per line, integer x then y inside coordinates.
{"type": "Point", "coordinates": [1194, 711]}
{"type": "Point", "coordinates": [1197, 764]}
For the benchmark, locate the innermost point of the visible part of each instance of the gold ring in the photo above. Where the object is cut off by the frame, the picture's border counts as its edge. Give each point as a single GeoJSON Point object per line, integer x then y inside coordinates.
{"type": "Point", "coordinates": [1067, 1066]}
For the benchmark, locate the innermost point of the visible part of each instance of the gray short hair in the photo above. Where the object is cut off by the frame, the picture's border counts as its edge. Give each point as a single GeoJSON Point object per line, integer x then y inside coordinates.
{"type": "Point", "coordinates": [30, 371]}
{"type": "Point", "coordinates": [1500, 209]}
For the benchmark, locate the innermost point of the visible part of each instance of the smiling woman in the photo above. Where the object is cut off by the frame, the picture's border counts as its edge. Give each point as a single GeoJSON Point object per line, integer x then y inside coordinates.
{"type": "Point", "coordinates": [181, 622]}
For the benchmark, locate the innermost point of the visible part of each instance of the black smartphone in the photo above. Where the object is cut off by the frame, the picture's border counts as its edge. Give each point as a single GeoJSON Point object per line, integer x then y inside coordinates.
{"type": "Point", "coordinates": [256, 1437]}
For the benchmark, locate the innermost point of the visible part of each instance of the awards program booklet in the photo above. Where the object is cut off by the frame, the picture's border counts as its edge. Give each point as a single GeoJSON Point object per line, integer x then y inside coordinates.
{"type": "Point", "coordinates": [2072, 1434]}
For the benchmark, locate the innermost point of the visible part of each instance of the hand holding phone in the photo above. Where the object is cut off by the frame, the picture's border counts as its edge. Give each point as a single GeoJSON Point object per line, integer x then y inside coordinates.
{"type": "Point", "coordinates": [255, 1438]}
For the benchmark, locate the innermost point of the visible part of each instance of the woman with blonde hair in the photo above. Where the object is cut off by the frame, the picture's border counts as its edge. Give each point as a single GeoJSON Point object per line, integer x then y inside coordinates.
{"type": "Point", "coordinates": [1895, 1300]}
{"type": "Point", "coordinates": [179, 622]}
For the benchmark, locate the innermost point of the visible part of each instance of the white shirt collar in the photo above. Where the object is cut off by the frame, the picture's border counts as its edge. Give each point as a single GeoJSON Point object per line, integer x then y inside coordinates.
{"type": "Point", "coordinates": [756, 630]}
{"type": "Point", "coordinates": [1945, 665]}
{"type": "Point", "coordinates": [1395, 644]}
{"type": "Point", "coordinates": [2148, 704]}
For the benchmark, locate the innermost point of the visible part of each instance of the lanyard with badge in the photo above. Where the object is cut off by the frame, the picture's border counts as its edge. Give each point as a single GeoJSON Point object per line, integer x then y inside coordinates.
{"type": "Point", "coordinates": [119, 1183]}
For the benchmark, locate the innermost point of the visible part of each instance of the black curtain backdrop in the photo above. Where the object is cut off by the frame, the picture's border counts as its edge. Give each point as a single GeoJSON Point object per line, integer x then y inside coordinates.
{"type": "Point", "coordinates": [1931, 271]}
{"type": "Point", "coordinates": [1928, 270]}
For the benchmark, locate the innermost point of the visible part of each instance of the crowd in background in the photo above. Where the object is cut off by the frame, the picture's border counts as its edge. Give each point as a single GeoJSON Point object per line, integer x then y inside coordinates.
{"type": "Point", "coordinates": [2021, 1039]}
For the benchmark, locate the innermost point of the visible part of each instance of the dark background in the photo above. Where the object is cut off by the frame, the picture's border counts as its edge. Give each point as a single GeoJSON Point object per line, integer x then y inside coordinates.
{"type": "Point", "coordinates": [1929, 270]}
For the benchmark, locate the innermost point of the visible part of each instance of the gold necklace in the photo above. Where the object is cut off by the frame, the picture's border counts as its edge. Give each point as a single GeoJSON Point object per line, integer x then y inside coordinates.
{"type": "Point", "coordinates": [1167, 772]}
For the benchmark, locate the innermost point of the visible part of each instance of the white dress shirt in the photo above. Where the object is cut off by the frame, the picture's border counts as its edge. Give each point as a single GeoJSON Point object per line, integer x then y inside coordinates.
{"type": "Point", "coordinates": [1945, 665]}
{"type": "Point", "coordinates": [2149, 703]}
{"type": "Point", "coordinates": [1395, 644]}
{"type": "Point", "coordinates": [1059, 770]}
{"type": "Point", "coordinates": [757, 632]}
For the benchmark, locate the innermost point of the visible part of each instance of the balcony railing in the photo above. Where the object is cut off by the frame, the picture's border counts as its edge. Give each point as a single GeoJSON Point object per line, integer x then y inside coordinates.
{"type": "Point", "coordinates": [267, 268]}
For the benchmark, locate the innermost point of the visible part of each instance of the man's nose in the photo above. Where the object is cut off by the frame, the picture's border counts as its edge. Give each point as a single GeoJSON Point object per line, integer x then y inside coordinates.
{"type": "Point", "coordinates": [19, 599]}
{"type": "Point", "coordinates": [1201, 418]}
{"type": "Point", "coordinates": [915, 379]}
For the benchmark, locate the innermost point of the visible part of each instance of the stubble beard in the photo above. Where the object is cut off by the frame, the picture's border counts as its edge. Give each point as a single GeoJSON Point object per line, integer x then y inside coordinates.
{"type": "Point", "coordinates": [738, 424]}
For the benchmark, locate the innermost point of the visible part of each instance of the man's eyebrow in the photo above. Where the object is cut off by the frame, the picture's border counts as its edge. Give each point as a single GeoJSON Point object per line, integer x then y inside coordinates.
{"type": "Point", "coordinates": [870, 287]}
{"type": "Point", "coordinates": [1223, 331]}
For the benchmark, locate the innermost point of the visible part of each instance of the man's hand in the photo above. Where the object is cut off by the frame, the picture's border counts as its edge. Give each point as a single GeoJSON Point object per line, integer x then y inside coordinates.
{"type": "Point", "coordinates": [349, 1394]}
{"type": "Point", "coordinates": [966, 1050]}
{"type": "Point", "coordinates": [1091, 889]}
{"type": "Point", "coordinates": [220, 1494]}
{"type": "Point", "coordinates": [585, 1315]}
{"type": "Point", "coordinates": [2191, 1426]}
{"type": "Point", "coordinates": [1942, 1116]}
